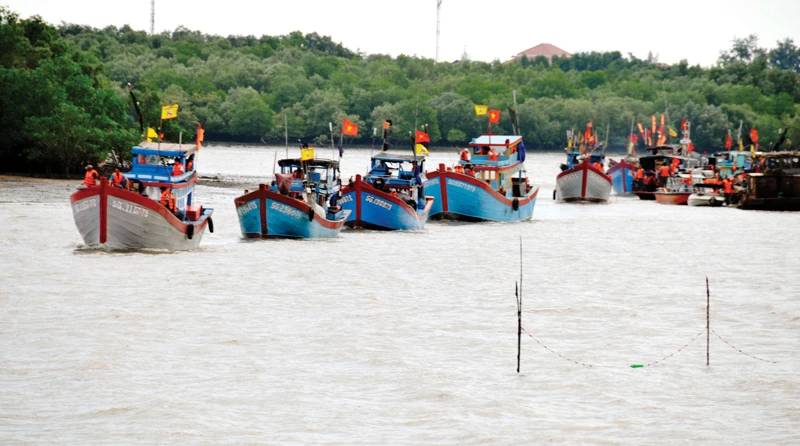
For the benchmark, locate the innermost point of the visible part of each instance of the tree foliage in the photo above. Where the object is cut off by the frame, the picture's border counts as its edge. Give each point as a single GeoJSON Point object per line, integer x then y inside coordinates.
{"type": "Point", "coordinates": [244, 88]}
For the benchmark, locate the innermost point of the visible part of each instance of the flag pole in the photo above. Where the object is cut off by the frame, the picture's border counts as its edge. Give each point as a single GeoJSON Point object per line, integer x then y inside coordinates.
{"type": "Point", "coordinates": [333, 149]}
{"type": "Point", "coordinates": [285, 134]}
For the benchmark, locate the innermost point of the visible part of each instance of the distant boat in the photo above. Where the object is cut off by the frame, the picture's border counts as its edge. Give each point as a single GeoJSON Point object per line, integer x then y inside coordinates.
{"type": "Point", "coordinates": [296, 205]}
{"type": "Point", "coordinates": [675, 192]}
{"type": "Point", "coordinates": [390, 197]}
{"type": "Point", "coordinates": [777, 187]}
{"type": "Point", "coordinates": [581, 180]}
{"type": "Point", "coordinates": [484, 189]}
{"type": "Point", "coordinates": [706, 195]}
{"type": "Point", "coordinates": [132, 217]}
{"type": "Point", "coordinates": [622, 175]}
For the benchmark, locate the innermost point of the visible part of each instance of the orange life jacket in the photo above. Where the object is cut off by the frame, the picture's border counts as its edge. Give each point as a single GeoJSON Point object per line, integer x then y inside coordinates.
{"type": "Point", "coordinates": [168, 200]}
{"type": "Point", "coordinates": [664, 170]}
{"type": "Point", "coordinates": [190, 165]}
{"type": "Point", "coordinates": [492, 155]}
{"type": "Point", "coordinates": [728, 186]}
{"type": "Point", "coordinates": [177, 169]}
{"type": "Point", "coordinates": [464, 155]}
{"type": "Point", "coordinates": [597, 165]}
{"type": "Point", "coordinates": [640, 174]}
{"type": "Point", "coordinates": [117, 180]}
{"type": "Point", "coordinates": [459, 169]}
{"type": "Point", "coordinates": [90, 178]}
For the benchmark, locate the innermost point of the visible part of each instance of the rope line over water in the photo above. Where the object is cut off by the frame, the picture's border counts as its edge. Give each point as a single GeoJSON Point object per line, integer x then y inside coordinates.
{"type": "Point", "coordinates": [676, 351]}
{"type": "Point", "coordinates": [740, 350]}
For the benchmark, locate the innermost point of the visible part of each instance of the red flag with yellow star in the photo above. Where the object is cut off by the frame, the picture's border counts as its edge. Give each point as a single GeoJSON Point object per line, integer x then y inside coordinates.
{"type": "Point", "coordinates": [494, 116]}
{"type": "Point", "coordinates": [349, 128]}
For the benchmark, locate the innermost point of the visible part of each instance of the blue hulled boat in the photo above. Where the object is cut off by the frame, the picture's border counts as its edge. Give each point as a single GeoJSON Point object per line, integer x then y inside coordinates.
{"type": "Point", "coordinates": [130, 214]}
{"type": "Point", "coordinates": [488, 184]}
{"type": "Point", "coordinates": [297, 205]}
{"type": "Point", "coordinates": [390, 196]}
{"type": "Point", "coordinates": [622, 174]}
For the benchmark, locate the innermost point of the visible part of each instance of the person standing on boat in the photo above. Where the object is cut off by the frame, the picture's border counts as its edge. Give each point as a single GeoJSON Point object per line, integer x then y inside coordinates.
{"type": "Point", "coordinates": [90, 179]}
{"type": "Point", "coordinates": [464, 155]}
{"type": "Point", "coordinates": [640, 178]}
{"type": "Point", "coordinates": [728, 185]}
{"type": "Point", "coordinates": [663, 174]}
{"type": "Point", "coordinates": [117, 179]}
{"type": "Point", "coordinates": [492, 155]}
{"type": "Point", "coordinates": [597, 166]}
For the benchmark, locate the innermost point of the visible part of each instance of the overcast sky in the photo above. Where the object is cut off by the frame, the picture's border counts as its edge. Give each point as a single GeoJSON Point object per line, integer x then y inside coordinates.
{"type": "Point", "coordinates": [695, 30]}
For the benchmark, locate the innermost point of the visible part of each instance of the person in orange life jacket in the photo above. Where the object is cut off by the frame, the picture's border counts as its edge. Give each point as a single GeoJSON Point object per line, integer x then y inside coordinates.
{"type": "Point", "coordinates": [728, 185]}
{"type": "Point", "coordinates": [298, 173]}
{"type": "Point", "coordinates": [464, 155]}
{"type": "Point", "coordinates": [639, 178]}
{"type": "Point", "coordinates": [141, 159]}
{"type": "Point", "coordinates": [190, 163]}
{"type": "Point", "coordinates": [597, 166]}
{"type": "Point", "coordinates": [458, 168]}
{"type": "Point", "coordinates": [167, 200]}
{"type": "Point", "coordinates": [91, 176]}
{"type": "Point", "coordinates": [177, 167]}
{"type": "Point", "coordinates": [117, 179]}
{"type": "Point", "coordinates": [468, 170]}
{"type": "Point", "coordinates": [492, 155]}
{"type": "Point", "coordinates": [663, 174]}
{"type": "Point", "coordinates": [501, 191]}
{"type": "Point", "coordinates": [674, 167]}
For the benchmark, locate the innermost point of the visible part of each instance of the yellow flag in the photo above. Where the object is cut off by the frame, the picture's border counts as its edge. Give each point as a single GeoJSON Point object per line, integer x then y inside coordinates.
{"type": "Point", "coordinates": [481, 110]}
{"type": "Point", "coordinates": [421, 150]}
{"type": "Point", "coordinates": [151, 134]}
{"type": "Point", "coordinates": [307, 154]}
{"type": "Point", "coordinates": [169, 112]}
{"type": "Point", "coordinates": [741, 145]}
{"type": "Point", "coordinates": [672, 132]}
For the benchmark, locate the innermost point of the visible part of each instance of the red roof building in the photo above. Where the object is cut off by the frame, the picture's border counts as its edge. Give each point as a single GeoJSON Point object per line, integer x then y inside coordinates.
{"type": "Point", "coordinates": [543, 49]}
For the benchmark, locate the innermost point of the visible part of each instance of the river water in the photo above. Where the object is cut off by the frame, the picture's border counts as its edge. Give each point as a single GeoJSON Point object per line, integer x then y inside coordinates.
{"type": "Point", "coordinates": [401, 338]}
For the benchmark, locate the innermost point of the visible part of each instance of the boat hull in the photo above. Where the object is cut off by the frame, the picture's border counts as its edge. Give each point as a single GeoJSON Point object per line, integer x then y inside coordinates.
{"type": "Point", "coordinates": [583, 182]}
{"type": "Point", "coordinates": [705, 200]}
{"type": "Point", "coordinates": [267, 214]}
{"type": "Point", "coordinates": [462, 197]}
{"type": "Point", "coordinates": [120, 219]}
{"type": "Point", "coordinates": [373, 209]}
{"type": "Point", "coordinates": [677, 198]}
{"type": "Point", "coordinates": [622, 174]}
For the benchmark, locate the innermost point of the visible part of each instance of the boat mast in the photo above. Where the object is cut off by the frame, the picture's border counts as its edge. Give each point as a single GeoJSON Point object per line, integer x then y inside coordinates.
{"type": "Point", "coordinates": [152, 17]}
{"type": "Point", "coordinates": [438, 11]}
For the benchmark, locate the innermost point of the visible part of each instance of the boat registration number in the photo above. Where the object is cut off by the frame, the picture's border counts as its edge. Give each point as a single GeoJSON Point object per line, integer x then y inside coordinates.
{"type": "Point", "coordinates": [130, 208]}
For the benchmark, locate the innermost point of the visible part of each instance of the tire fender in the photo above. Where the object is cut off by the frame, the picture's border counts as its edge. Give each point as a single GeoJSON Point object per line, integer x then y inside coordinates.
{"type": "Point", "coordinates": [310, 214]}
{"type": "Point", "coordinates": [190, 231]}
{"type": "Point", "coordinates": [210, 225]}
{"type": "Point", "coordinates": [515, 204]}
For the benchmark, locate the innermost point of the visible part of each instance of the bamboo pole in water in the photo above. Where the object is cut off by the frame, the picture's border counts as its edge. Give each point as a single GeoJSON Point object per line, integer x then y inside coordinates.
{"type": "Point", "coordinates": [518, 294]}
{"type": "Point", "coordinates": [708, 324]}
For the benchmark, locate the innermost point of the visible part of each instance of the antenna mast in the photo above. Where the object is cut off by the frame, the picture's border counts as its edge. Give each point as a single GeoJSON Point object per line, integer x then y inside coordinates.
{"type": "Point", "coordinates": [438, 11]}
{"type": "Point", "coordinates": [152, 17]}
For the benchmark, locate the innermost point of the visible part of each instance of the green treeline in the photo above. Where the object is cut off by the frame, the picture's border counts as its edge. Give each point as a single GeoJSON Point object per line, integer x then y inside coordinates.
{"type": "Point", "coordinates": [64, 97]}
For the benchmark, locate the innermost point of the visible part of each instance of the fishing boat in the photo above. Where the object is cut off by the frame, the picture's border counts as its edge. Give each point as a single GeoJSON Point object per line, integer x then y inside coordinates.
{"type": "Point", "coordinates": [777, 188]}
{"type": "Point", "coordinates": [132, 216]}
{"type": "Point", "coordinates": [487, 184]}
{"type": "Point", "coordinates": [300, 203]}
{"type": "Point", "coordinates": [622, 174]}
{"type": "Point", "coordinates": [582, 179]}
{"type": "Point", "coordinates": [390, 197]}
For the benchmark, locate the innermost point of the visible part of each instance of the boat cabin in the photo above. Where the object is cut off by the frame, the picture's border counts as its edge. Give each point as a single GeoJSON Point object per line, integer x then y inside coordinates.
{"type": "Point", "coordinates": [575, 158]}
{"type": "Point", "coordinates": [725, 161]}
{"type": "Point", "coordinates": [396, 171]}
{"type": "Point", "coordinates": [321, 174]}
{"type": "Point", "coordinates": [504, 175]}
{"type": "Point", "coordinates": [153, 166]}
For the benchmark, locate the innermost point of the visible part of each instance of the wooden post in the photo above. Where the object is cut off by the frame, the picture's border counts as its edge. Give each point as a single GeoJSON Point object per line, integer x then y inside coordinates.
{"type": "Point", "coordinates": [708, 323]}
{"type": "Point", "coordinates": [518, 294]}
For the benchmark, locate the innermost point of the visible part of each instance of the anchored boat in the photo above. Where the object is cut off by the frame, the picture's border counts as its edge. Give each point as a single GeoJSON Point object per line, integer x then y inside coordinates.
{"type": "Point", "coordinates": [488, 183]}
{"type": "Point", "coordinates": [390, 197]}
{"type": "Point", "coordinates": [300, 203]}
{"type": "Point", "coordinates": [132, 216]}
{"type": "Point", "coordinates": [622, 174]}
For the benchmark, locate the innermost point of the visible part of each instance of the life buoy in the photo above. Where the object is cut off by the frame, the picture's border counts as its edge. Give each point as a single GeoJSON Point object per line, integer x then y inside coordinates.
{"type": "Point", "coordinates": [515, 204]}
{"type": "Point", "coordinates": [210, 225]}
{"type": "Point", "coordinates": [310, 214]}
{"type": "Point", "coordinates": [190, 231]}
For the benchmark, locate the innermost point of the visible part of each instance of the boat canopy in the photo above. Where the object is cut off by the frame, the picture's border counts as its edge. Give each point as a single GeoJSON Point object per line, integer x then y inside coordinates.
{"type": "Point", "coordinates": [164, 149]}
{"type": "Point", "coordinates": [317, 162]}
{"type": "Point", "coordinates": [496, 140]}
{"type": "Point", "coordinates": [397, 158]}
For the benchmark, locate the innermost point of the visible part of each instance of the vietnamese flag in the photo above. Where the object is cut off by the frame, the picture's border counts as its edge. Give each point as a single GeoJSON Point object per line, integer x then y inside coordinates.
{"type": "Point", "coordinates": [754, 135]}
{"type": "Point", "coordinates": [494, 116]}
{"type": "Point", "coordinates": [200, 134]}
{"type": "Point", "coordinates": [348, 128]}
{"type": "Point", "coordinates": [728, 141]}
{"type": "Point", "coordinates": [422, 137]}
